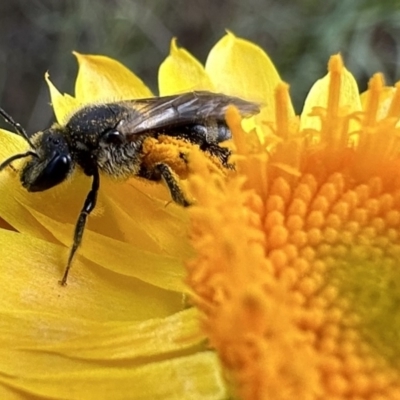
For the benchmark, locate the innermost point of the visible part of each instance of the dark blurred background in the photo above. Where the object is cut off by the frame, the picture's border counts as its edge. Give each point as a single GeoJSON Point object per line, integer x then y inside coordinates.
{"type": "Point", "coordinates": [299, 36]}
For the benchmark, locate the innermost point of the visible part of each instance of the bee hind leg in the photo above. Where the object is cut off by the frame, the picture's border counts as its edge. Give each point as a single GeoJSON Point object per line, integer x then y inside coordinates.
{"type": "Point", "coordinates": [172, 182]}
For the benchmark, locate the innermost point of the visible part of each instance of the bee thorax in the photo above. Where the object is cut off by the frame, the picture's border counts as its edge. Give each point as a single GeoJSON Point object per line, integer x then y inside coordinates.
{"type": "Point", "coordinates": [120, 161]}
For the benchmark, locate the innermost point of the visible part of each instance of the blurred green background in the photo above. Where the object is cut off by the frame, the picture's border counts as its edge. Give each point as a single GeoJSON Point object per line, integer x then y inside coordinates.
{"type": "Point", "coordinates": [299, 36]}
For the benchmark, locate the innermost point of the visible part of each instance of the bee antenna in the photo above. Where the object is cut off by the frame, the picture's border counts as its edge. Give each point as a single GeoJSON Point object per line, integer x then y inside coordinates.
{"type": "Point", "coordinates": [18, 128]}
{"type": "Point", "coordinates": [17, 157]}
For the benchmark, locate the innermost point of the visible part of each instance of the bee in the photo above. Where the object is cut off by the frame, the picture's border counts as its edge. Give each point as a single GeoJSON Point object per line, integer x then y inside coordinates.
{"type": "Point", "coordinates": [113, 139]}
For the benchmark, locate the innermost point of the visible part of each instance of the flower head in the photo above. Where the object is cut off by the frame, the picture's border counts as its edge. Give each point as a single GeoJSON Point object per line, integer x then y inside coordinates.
{"type": "Point", "coordinates": [296, 267]}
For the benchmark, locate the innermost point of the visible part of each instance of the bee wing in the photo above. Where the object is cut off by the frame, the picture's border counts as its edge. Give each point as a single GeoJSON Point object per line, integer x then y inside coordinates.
{"type": "Point", "coordinates": [188, 108]}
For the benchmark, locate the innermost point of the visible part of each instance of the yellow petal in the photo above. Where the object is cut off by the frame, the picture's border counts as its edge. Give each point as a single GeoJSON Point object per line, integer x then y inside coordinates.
{"type": "Point", "coordinates": [162, 223]}
{"type": "Point", "coordinates": [110, 340]}
{"type": "Point", "coordinates": [104, 359]}
{"type": "Point", "coordinates": [337, 92]}
{"type": "Point", "coordinates": [11, 143]}
{"type": "Point", "coordinates": [196, 376]}
{"type": "Point", "coordinates": [64, 105]}
{"type": "Point", "coordinates": [5, 225]}
{"type": "Point", "coordinates": [240, 68]}
{"type": "Point", "coordinates": [30, 272]}
{"type": "Point", "coordinates": [102, 79]}
{"type": "Point", "coordinates": [181, 72]}
{"type": "Point", "coordinates": [124, 258]}
{"type": "Point", "coordinates": [378, 99]}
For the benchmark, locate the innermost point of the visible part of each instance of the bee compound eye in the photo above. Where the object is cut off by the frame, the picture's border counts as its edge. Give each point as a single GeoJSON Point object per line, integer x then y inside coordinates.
{"type": "Point", "coordinates": [113, 137]}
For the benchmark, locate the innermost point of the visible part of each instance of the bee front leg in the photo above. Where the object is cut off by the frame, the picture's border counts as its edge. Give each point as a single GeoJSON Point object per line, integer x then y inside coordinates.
{"type": "Point", "coordinates": [88, 206]}
{"type": "Point", "coordinates": [172, 182]}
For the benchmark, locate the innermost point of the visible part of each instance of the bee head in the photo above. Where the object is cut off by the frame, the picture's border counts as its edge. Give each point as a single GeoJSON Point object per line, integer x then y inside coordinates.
{"type": "Point", "coordinates": [50, 164]}
{"type": "Point", "coordinates": [50, 160]}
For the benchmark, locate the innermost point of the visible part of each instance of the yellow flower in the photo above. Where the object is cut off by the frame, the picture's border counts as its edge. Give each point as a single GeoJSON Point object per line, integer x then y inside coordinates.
{"type": "Point", "coordinates": [296, 270]}
{"type": "Point", "coordinates": [121, 328]}
{"type": "Point", "coordinates": [293, 257]}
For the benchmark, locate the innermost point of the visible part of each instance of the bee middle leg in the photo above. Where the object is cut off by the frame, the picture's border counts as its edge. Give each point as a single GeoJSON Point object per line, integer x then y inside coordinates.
{"type": "Point", "coordinates": [172, 182]}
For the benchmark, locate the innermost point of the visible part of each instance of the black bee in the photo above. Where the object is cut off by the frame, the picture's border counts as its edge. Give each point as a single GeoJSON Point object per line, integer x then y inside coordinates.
{"type": "Point", "coordinates": [111, 139]}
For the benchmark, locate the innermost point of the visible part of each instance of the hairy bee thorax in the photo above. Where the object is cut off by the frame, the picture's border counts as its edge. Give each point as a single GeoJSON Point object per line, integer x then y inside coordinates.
{"type": "Point", "coordinates": [120, 160]}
